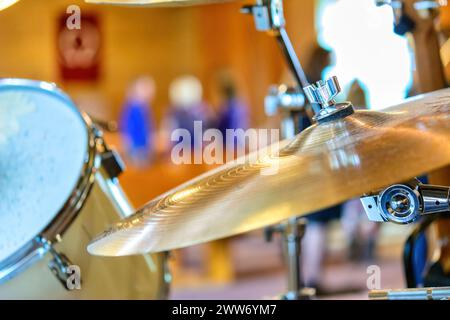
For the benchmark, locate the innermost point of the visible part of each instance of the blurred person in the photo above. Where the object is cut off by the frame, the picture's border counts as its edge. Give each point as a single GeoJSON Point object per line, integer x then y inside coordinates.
{"type": "Point", "coordinates": [136, 121]}
{"type": "Point", "coordinates": [233, 112]}
{"type": "Point", "coordinates": [321, 59]}
{"type": "Point", "coordinates": [186, 107]}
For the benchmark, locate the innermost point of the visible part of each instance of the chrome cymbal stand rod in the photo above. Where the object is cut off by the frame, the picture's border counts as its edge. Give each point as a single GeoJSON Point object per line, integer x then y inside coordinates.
{"type": "Point", "coordinates": [291, 58]}
{"type": "Point", "coordinates": [292, 232]}
{"type": "Point", "coordinates": [292, 237]}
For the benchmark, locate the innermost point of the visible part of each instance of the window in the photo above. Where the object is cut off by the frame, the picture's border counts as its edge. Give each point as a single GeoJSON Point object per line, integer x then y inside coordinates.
{"type": "Point", "coordinates": [366, 48]}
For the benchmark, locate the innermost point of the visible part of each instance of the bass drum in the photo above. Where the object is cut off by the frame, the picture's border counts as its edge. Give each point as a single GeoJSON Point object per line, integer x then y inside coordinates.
{"type": "Point", "coordinates": [58, 189]}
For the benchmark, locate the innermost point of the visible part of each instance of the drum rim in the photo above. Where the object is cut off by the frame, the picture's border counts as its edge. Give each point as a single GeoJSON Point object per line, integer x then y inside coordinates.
{"type": "Point", "coordinates": [35, 249]}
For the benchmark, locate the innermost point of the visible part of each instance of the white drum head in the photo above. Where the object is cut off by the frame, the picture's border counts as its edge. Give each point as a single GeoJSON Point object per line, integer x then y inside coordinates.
{"type": "Point", "coordinates": [43, 146]}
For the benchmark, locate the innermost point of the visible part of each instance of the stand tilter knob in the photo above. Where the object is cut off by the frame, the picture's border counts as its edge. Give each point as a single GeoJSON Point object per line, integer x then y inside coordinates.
{"type": "Point", "coordinates": [323, 92]}
{"type": "Point", "coordinates": [321, 95]}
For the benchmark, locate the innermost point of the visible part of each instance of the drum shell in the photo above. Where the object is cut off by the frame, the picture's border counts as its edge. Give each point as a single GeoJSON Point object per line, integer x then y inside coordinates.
{"type": "Point", "coordinates": [132, 277]}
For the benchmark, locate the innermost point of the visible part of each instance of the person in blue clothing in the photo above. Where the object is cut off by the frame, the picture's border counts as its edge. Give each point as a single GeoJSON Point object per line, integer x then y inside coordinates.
{"type": "Point", "coordinates": [137, 123]}
{"type": "Point", "coordinates": [233, 112]}
{"type": "Point", "coordinates": [186, 108]}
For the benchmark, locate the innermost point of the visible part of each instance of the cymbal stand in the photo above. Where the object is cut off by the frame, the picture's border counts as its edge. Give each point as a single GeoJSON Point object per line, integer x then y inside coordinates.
{"type": "Point", "coordinates": [290, 102]}
{"type": "Point", "coordinates": [292, 232]}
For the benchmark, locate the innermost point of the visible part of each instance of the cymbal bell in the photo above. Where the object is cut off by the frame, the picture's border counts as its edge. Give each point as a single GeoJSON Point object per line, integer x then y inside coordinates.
{"type": "Point", "coordinates": [323, 166]}
{"type": "Point", "coordinates": [156, 3]}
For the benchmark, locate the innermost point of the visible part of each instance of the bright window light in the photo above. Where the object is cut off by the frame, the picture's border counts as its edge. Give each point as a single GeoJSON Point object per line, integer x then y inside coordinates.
{"type": "Point", "coordinates": [6, 3]}
{"type": "Point", "coordinates": [366, 48]}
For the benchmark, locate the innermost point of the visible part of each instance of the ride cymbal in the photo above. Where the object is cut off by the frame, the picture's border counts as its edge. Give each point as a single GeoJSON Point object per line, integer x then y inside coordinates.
{"type": "Point", "coordinates": [324, 165]}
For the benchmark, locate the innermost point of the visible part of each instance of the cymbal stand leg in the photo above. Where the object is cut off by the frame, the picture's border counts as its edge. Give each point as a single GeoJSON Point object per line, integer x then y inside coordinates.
{"type": "Point", "coordinates": [292, 232]}
{"type": "Point", "coordinates": [292, 240]}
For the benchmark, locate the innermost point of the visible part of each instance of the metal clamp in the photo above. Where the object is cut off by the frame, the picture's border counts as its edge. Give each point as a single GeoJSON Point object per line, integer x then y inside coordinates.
{"type": "Point", "coordinates": [405, 203]}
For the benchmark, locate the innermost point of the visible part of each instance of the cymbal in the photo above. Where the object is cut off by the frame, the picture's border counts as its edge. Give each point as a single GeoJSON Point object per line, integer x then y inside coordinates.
{"type": "Point", "coordinates": [324, 165]}
{"type": "Point", "coordinates": [155, 3]}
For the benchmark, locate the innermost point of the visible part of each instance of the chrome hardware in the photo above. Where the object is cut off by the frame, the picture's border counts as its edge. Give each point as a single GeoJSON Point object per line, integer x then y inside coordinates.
{"type": "Point", "coordinates": [284, 98]}
{"type": "Point", "coordinates": [395, 4]}
{"type": "Point", "coordinates": [418, 5]}
{"type": "Point", "coordinates": [403, 22]}
{"type": "Point", "coordinates": [322, 94]}
{"type": "Point", "coordinates": [292, 232]}
{"type": "Point", "coordinates": [60, 263]}
{"type": "Point", "coordinates": [269, 16]}
{"type": "Point", "coordinates": [440, 293]}
{"type": "Point", "coordinates": [399, 204]}
{"type": "Point", "coordinates": [290, 104]}
{"type": "Point", "coordinates": [405, 203]}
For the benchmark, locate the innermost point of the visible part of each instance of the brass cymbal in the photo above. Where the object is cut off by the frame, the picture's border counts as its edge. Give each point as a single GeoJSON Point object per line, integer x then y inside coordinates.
{"type": "Point", "coordinates": [155, 3]}
{"type": "Point", "coordinates": [324, 165]}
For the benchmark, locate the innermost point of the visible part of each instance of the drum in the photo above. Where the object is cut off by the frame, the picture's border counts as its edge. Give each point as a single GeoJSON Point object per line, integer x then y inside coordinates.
{"type": "Point", "coordinates": [58, 189]}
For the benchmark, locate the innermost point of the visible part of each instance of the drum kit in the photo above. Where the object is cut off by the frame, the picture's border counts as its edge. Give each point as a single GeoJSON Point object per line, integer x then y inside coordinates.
{"type": "Point", "coordinates": [63, 205]}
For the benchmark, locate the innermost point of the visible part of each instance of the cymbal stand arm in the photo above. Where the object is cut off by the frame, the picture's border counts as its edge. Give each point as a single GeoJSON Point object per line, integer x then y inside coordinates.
{"type": "Point", "coordinates": [291, 58]}
{"type": "Point", "coordinates": [269, 17]}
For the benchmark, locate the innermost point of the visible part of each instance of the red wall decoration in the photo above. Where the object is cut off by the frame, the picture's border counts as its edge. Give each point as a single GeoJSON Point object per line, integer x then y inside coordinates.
{"type": "Point", "coordinates": [79, 49]}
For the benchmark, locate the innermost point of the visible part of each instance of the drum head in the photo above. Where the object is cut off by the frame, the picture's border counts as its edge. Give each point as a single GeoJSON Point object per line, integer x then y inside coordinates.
{"type": "Point", "coordinates": [43, 146]}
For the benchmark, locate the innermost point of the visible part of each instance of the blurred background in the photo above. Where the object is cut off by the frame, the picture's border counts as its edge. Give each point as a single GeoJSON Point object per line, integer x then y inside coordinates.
{"type": "Point", "coordinates": [143, 71]}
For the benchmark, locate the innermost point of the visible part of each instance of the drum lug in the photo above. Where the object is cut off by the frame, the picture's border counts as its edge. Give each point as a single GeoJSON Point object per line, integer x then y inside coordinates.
{"type": "Point", "coordinates": [111, 161]}
{"type": "Point", "coordinates": [60, 265]}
